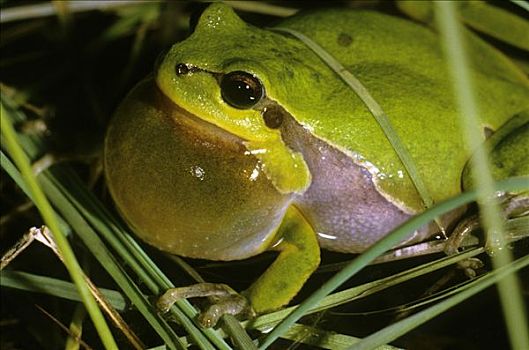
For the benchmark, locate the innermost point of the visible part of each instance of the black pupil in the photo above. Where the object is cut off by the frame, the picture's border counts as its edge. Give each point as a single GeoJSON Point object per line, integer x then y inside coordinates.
{"type": "Point", "coordinates": [241, 90]}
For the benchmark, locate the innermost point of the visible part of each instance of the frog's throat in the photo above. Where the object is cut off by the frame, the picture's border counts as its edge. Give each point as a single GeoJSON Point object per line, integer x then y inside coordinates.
{"type": "Point", "coordinates": [285, 168]}
{"type": "Point", "coordinates": [228, 139]}
{"type": "Point", "coordinates": [214, 201]}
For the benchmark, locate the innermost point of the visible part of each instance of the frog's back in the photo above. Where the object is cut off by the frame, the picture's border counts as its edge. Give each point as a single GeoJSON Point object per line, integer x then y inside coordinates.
{"type": "Point", "coordinates": [402, 65]}
{"type": "Point", "coordinates": [364, 36]}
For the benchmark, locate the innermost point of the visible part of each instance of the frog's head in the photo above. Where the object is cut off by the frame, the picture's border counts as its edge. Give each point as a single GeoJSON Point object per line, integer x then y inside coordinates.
{"type": "Point", "coordinates": [195, 165]}
{"type": "Point", "coordinates": [227, 73]}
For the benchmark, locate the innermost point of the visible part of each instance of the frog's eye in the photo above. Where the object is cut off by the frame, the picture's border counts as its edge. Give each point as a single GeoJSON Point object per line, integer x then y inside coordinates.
{"type": "Point", "coordinates": [241, 90]}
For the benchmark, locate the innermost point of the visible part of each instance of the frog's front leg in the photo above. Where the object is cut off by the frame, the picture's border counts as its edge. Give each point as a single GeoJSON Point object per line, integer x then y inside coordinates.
{"type": "Point", "coordinates": [299, 256]}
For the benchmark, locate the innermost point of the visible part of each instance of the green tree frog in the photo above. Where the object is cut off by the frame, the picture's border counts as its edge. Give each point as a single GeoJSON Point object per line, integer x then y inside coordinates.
{"type": "Point", "coordinates": [243, 140]}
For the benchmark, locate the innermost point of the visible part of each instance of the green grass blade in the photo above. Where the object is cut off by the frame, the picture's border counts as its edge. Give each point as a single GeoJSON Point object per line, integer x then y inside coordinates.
{"type": "Point", "coordinates": [510, 293]}
{"type": "Point", "coordinates": [324, 339]}
{"type": "Point", "coordinates": [73, 342]}
{"type": "Point", "coordinates": [237, 333]}
{"type": "Point", "coordinates": [394, 331]}
{"type": "Point", "coordinates": [12, 171]}
{"type": "Point", "coordinates": [263, 8]}
{"type": "Point", "coordinates": [24, 12]}
{"type": "Point", "coordinates": [522, 3]}
{"type": "Point", "coordinates": [56, 287]}
{"type": "Point", "coordinates": [22, 162]}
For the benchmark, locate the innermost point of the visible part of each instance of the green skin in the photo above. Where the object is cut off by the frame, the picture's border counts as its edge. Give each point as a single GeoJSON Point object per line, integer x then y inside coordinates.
{"type": "Point", "coordinates": [197, 177]}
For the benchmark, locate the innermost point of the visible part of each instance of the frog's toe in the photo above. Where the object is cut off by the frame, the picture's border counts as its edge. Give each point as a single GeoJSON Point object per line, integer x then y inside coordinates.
{"type": "Point", "coordinates": [461, 232]}
{"type": "Point", "coordinates": [515, 210]}
{"type": "Point", "coordinates": [204, 289]}
{"type": "Point", "coordinates": [470, 266]}
{"type": "Point", "coordinates": [235, 305]}
{"type": "Point", "coordinates": [224, 301]}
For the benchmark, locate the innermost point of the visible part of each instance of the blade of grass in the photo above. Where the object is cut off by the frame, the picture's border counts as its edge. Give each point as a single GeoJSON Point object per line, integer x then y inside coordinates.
{"type": "Point", "coordinates": [510, 293]}
{"type": "Point", "coordinates": [47, 9]}
{"type": "Point", "coordinates": [56, 287]}
{"type": "Point", "coordinates": [22, 162]}
{"type": "Point", "coordinates": [61, 289]}
{"type": "Point", "coordinates": [395, 330]}
{"type": "Point", "coordinates": [13, 172]}
{"type": "Point", "coordinates": [263, 8]}
{"type": "Point", "coordinates": [76, 328]}
{"type": "Point", "coordinates": [377, 249]}
{"type": "Point", "coordinates": [324, 339]}
{"type": "Point", "coordinates": [523, 4]}
{"type": "Point", "coordinates": [60, 325]}
{"type": "Point", "coordinates": [89, 237]}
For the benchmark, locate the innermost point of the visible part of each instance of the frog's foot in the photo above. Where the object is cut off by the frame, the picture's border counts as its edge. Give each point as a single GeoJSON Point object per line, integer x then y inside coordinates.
{"type": "Point", "coordinates": [458, 235]}
{"type": "Point", "coordinates": [515, 208]}
{"type": "Point", "coordinates": [236, 305]}
{"type": "Point", "coordinates": [225, 301]}
{"type": "Point", "coordinates": [470, 266]}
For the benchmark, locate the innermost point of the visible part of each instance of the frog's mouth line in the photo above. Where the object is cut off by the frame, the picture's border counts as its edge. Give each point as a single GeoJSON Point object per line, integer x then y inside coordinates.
{"type": "Point", "coordinates": [204, 130]}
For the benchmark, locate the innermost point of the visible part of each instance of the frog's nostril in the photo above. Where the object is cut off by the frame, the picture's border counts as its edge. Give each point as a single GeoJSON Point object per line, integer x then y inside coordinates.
{"type": "Point", "coordinates": [182, 69]}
